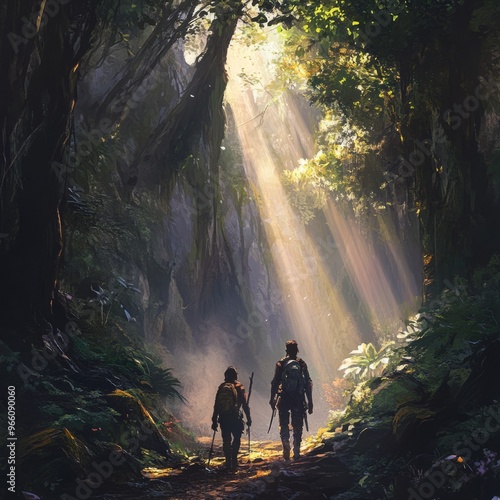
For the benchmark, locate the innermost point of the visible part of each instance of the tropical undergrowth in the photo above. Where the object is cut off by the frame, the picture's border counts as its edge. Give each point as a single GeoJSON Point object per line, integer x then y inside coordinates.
{"type": "Point", "coordinates": [88, 392]}
{"type": "Point", "coordinates": [422, 413]}
{"type": "Point", "coordinates": [92, 385]}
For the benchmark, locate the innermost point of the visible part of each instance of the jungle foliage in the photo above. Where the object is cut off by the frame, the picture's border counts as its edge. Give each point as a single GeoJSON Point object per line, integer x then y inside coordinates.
{"type": "Point", "coordinates": [384, 74]}
{"type": "Point", "coordinates": [431, 408]}
{"type": "Point", "coordinates": [393, 79]}
{"type": "Point", "coordinates": [90, 390]}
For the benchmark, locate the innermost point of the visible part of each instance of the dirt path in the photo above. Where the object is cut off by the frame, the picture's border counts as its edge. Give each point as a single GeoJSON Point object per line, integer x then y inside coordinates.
{"type": "Point", "coordinates": [263, 475]}
{"type": "Point", "coordinates": [253, 479]}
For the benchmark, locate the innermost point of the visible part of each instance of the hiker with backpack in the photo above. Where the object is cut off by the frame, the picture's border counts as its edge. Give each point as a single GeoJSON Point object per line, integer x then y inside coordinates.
{"type": "Point", "coordinates": [229, 401]}
{"type": "Point", "coordinates": [289, 388]}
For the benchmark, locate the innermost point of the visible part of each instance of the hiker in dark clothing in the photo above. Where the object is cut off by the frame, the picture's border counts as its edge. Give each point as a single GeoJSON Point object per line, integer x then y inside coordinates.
{"type": "Point", "coordinates": [290, 384]}
{"type": "Point", "coordinates": [229, 401]}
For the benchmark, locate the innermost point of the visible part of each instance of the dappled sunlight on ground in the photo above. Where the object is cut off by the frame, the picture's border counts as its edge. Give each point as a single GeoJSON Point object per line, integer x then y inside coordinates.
{"type": "Point", "coordinates": [193, 478]}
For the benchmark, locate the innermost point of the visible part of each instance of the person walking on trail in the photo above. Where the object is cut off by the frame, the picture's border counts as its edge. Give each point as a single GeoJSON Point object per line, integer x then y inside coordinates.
{"type": "Point", "coordinates": [229, 401]}
{"type": "Point", "coordinates": [289, 388]}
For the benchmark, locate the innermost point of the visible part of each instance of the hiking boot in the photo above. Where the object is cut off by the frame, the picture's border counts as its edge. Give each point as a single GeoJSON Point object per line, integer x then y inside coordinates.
{"type": "Point", "coordinates": [296, 448]}
{"type": "Point", "coordinates": [228, 463]}
{"type": "Point", "coordinates": [226, 447]}
{"type": "Point", "coordinates": [234, 462]}
{"type": "Point", "coordinates": [286, 450]}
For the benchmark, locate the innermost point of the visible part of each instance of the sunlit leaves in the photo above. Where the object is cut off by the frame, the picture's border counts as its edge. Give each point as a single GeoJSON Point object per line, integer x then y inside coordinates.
{"type": "Point", "coordinates": [365, 362]}
{"type": "Point", "coordinates": [306, 187]}
{"type": "Point", "coordinates": [339, 169]}
{"type": "Point", "coordinates": [350, 83]}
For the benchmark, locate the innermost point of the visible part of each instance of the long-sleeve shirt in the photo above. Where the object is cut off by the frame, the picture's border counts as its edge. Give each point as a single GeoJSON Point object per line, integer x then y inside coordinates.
{"type": "Point", "coordinates": [278, 375]}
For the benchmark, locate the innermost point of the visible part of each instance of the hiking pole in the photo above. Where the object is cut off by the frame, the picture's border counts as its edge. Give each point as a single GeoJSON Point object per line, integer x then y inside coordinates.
{"type": "Point", "coordinates": [210, 453]}
{"type": "Point", "coordinates": [305, 416]}
{"type": "Point", "coordinates": [248, 402]}
{"type": "Point", "coordinates": [250, 389]}
{"type": "Point", "coordinates": [274, 413]}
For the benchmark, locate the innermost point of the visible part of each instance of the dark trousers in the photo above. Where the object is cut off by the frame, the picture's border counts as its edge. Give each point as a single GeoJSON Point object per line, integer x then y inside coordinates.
{"type": "Point", "coordinates": [231, 431]}
{"type": "Point", "coordinates": [295, 409]}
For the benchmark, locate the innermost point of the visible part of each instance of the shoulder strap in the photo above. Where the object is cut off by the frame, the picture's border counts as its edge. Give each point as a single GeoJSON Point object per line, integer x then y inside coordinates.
{"type": "Point", "coordinates": [300, 361]}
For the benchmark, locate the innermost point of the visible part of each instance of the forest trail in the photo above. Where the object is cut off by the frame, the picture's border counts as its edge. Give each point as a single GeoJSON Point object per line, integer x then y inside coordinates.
{"type": "Point", "coordinates": [265, 475]}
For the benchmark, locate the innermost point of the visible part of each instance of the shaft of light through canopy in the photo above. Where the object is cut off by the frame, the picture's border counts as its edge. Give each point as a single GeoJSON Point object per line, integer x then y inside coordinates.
{"type": "Point", "coordinates": [317, 314]}
{"type": "Point", "coordinates": [366, 271]}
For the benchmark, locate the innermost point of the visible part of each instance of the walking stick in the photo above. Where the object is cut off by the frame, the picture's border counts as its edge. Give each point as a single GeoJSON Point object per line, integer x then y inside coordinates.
{"type": "Point", "coordinates": [248, 402]}
{"type": "Point", "coordinates": [211, 450]}
{"type": "Point", "coordinates": [274, 412]}
{"type": "Point", "coordinates": [305, 412]}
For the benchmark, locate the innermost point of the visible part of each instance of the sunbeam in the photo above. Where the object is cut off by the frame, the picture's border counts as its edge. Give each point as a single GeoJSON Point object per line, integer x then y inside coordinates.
{"type": "Point", "coordinates": [316, 311]}
{"type": "Point", "coordinates": [275, 135]}
{"type": "Point", "coordinates": [367, 272]}
{"type": "Point", "coordinates": [334, 285]}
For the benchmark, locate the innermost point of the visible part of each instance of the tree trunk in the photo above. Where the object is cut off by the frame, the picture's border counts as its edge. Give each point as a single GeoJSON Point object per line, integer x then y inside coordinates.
{"type": "Point", "coordinates": [457, 206]}
{"type": "Point", "coordinates": [39, 54]}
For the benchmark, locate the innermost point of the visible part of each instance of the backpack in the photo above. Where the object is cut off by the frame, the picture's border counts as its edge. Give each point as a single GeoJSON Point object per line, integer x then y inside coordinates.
{"type": "Point", "coordinates": [292, 378]}
{"type": "Point", "coordinates": [226, 400]}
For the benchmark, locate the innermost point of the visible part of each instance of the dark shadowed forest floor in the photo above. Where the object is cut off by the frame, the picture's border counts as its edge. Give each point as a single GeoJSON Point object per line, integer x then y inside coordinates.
{"type": "Point", "coordinates": [265, 475]}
